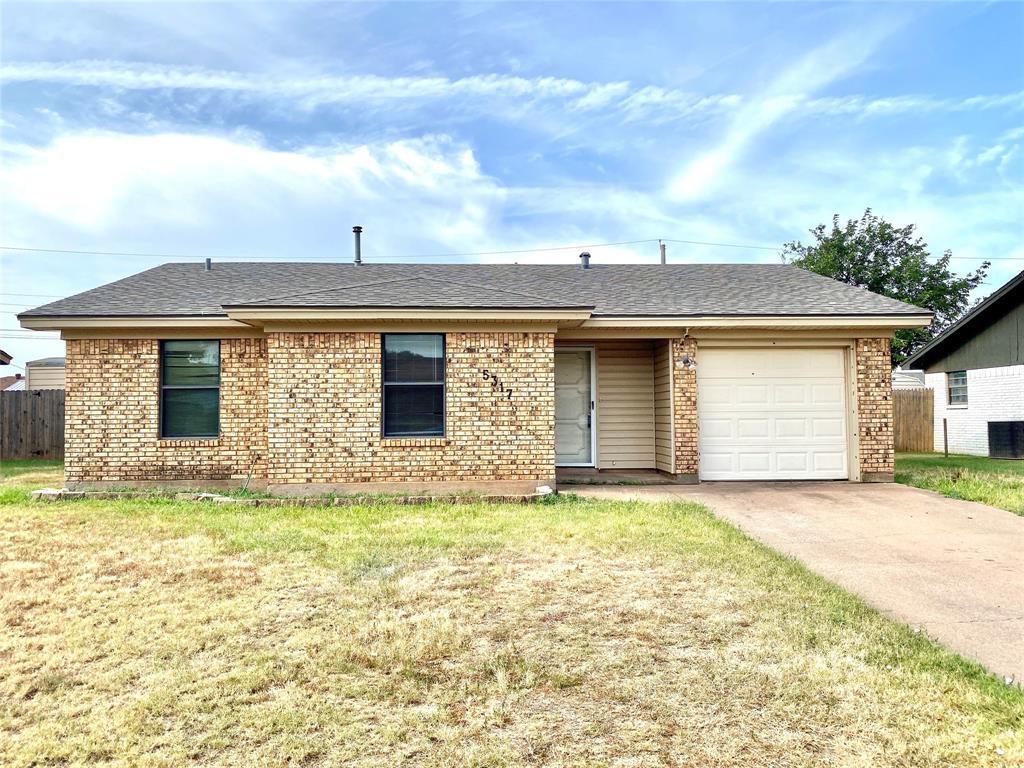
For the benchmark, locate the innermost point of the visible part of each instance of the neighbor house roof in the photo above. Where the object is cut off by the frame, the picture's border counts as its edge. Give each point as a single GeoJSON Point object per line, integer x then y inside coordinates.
{"type": "Point", "coordinates": [5, 358]}
{"type": "Point", "coordinates": [46, 362]}
{"type": "Point", "coordinates": [971, 323]}
{"type": "Point", "coordinates": [609, 290]}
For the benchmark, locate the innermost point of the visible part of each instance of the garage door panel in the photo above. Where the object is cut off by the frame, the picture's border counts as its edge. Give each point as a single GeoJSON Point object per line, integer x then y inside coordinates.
{"type": "Point", "coordinates": [791, 462]}
{"type": "Point", "coordinates": [772, 414]}
{"type": "Point", "coordinates": [718, 462]}
{"type": "Point", "coordinates": [755, 428]}
{"type": "Point", "coordinates": [826, 428]}
{"type": "Point", "coordinates": [780, 362]}
{"type": "Point", "coordinates": [754, 461]}
{"type": "Point", "coordinates": [719, 428]}
{"type": "Point", "coordinates": [827, 394]}
{"type": "Point", "coordinates": [790, 394]}
{"type": "Point", "coordinates": [829, 462]}
{"type": "Point", "coordinates": [791, 429]}
{"type": "Point", "coordinates": [717, 393]}
{"type": "Point", "coordinates": [752, 395]}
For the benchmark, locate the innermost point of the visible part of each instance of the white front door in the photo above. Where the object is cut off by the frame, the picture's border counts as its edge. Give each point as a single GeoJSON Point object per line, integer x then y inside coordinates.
{"type": "Point", "coordinates": [772, 414]}
{"type": "Point", "coordinates": [574, 443]}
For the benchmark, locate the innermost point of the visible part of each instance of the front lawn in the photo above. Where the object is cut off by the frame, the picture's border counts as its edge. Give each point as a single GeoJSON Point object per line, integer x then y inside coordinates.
{"type": "Point", "coordinates": [576, 632]}
{"type": "Point", "coordinates": [997, 482]}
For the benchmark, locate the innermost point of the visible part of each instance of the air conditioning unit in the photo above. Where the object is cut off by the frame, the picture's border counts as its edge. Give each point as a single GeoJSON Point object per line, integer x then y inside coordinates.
{"type": "Point", "coordinates": [1006, 439]}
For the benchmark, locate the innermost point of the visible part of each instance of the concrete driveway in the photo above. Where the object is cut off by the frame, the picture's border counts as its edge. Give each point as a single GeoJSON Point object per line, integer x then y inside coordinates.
{"type": "Point", "coordinates": [953, 568]}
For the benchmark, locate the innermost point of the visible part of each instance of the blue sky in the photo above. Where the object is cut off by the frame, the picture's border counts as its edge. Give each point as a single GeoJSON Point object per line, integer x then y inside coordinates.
{"type": "Point", "coordinates": [268, 130]}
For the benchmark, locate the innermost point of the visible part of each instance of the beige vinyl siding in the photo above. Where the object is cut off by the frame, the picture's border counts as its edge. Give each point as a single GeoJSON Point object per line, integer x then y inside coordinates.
{"type": "Point", "coordinates": [44, 377]}
{"type": "Point", "coordinates": [663, 452]}
{"type": "Point", "coordinates": [625, 405]}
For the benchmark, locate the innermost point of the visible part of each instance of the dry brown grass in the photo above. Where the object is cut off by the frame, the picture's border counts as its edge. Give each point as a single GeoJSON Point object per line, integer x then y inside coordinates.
{"type": "Point", "coordinates": [571, 634]}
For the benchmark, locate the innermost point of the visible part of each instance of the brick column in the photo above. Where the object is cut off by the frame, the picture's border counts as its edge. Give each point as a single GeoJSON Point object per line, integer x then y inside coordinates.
{"type": "Point", "coordinates": [874, 410]}
{"type": "Point", "coordinates": [684, 407]}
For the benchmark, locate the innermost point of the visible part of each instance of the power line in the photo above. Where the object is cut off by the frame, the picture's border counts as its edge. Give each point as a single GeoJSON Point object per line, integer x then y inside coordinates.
{"type": "Point", "coordinates": [724, 245]}
{"type": "Point", "coordinates": [32, 295]}
{"type": "Point", "coordinates": [99, 253]}
{"type": "Point", "coordinates": [511, 252]}
{"type": "Point", "coordinates": [328, 258]}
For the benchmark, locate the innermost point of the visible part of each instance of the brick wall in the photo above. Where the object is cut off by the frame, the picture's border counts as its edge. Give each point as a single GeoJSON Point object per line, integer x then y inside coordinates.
{"type": "Point", "coordinates": [684, 402]}
{"type": "Point", "coordinates": [325, 411]}
{"type": "Point", "coordinates": [993, 394]}
{"type": "Point", "coordinates": [308, 405]}
{"type": "Point", "coordinates": [874, 409]}
{"type": "Point", "coordinates": [112, 415]}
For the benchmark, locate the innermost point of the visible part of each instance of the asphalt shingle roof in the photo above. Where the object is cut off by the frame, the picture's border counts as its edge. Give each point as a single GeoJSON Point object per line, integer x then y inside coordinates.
{"type": "Point", "coordinates": [610, 289]}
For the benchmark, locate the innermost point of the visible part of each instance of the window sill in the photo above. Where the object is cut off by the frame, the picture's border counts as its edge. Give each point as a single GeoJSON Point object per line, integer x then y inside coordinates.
{"type": "Point", "coordinates": [415, 442]}
{"type": "Point", "coordinates": [961, 407]}
{"type": "Point", "coordinates": [173, 442]}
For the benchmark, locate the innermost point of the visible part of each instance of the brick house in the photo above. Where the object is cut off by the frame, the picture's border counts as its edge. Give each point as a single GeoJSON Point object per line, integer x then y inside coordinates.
{"type": "Point", "coordinates": [314, 377]}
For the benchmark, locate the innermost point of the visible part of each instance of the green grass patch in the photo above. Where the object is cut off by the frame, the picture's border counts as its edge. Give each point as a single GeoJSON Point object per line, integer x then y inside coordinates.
{"type": "Point", "coordinates": [996, 482]}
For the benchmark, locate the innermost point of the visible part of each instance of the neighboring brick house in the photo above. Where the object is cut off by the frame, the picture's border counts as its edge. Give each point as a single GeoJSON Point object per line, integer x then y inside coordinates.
{"type": "Point", "coordinates": [976, 372]}
{"type": "Point", "coordinates": [314, 377]}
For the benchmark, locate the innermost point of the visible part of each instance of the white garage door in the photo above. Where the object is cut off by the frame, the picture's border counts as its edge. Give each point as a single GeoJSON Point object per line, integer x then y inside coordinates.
{"type": "Point", "coordinates": [772, 414]}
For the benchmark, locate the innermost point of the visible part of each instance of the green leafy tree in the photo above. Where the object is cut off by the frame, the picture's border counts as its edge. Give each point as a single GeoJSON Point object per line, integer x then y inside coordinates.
{"type": "Point", "coordinates": [871, 253]}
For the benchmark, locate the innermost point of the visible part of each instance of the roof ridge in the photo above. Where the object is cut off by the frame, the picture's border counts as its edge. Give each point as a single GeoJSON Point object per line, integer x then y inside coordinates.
{"type": "Point", "coordinates": [332, 288]}
{"type": "Point", "coordinates": [491, 288]}
{"type": "Point", "coordinates": [399, 280]}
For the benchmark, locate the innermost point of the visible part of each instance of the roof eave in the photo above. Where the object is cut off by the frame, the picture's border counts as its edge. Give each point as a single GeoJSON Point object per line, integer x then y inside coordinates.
{"type": "Point", "coordinates": [69, 322]}
{"type": "Point", "coordinates": [763, 321]}
{"type": "Point", "coordinates": [261, 315]}
{"type": "Point", "coordinates": [936, 344]}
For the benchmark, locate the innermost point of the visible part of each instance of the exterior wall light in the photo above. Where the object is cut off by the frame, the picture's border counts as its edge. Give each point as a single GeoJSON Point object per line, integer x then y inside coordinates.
{"type": "Point", "coordinates": [686, 362]}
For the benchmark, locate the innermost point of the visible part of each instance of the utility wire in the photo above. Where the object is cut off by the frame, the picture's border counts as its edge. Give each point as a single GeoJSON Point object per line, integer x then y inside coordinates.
{"type": "Point", "coordinates": [32, 295]}
{"type": "Point", "coordinates": [723, 245]}
{"type": "Point", "coordinates": [132, 254]}
{"type": "Point", "coordinates": [277, 258]}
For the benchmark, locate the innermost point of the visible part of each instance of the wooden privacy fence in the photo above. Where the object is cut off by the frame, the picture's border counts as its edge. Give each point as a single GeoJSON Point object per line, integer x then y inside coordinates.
{"type": "Point", "coordinates": [913, 423]}
{"type": "Point", "coordinates": [32, 424]}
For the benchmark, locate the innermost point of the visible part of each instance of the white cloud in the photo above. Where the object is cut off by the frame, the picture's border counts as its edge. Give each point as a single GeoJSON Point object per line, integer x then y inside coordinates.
{"type": "Point", "coordinates": [789, 94]}
{"type": "Point", "coordinates": [232, 194]}
{"type": "Point", "coordinates": [784, 95]}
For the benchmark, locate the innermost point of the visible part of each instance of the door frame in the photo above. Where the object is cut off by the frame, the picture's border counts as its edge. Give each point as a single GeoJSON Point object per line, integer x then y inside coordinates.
{"type": "Point", "coordinates": [591, 350]}
{"type": "Point", "coordinates": [850, 410]}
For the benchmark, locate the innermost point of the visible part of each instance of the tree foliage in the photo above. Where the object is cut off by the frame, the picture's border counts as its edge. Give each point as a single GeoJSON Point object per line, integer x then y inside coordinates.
{"type": "Point", "coordinates": [871, 253]}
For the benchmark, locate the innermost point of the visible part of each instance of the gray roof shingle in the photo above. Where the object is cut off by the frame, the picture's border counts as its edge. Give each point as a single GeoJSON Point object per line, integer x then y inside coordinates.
{"type": "Point", "coordinates": [680, 290]}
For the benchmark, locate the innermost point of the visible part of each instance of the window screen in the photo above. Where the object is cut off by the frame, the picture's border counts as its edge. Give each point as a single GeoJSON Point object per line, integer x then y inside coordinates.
{"type": "Point", "coordinates": [413, 384]}
{"type": "Point", "coordinates": [189, 388]}
{"type": "Point", "coordinates": [957, 381]}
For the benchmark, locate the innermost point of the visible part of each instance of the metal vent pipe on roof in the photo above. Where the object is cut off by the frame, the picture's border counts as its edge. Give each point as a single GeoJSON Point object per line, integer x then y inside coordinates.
{"type": "Point", "coordinates": [585, 259]}
{"type": "Point", "coordinates": [358, 232]}
{"type": "Point", "coordinates": [661, 249]}
{"type": "Point", "coordinates": [209, 265]}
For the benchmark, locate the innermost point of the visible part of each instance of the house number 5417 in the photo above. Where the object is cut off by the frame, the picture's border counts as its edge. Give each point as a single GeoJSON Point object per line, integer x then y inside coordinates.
{"type": "Point", "coordinates": [497, 385]}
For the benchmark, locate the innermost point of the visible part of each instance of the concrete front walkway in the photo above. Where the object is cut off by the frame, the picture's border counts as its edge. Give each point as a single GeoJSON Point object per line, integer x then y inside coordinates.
{"type": "Point", "coordinates": [953, 568]}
